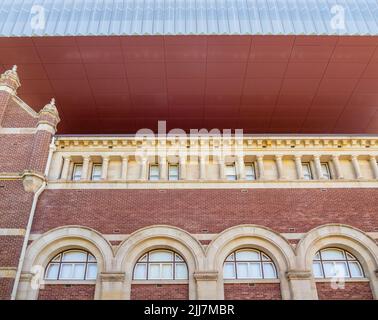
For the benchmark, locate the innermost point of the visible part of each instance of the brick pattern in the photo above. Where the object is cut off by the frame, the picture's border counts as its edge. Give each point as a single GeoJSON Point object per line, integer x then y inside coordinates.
{"type": "Point", "coordinates": [67, 292]}
{"type": "Point", "coordinates": [40, 151]}
{"type": "Point", "coordinates": [352, 291]}
{"type": "Point", "coordinates": [214, 210]}
{"type": "Point", "coordinates": [16, 117]}
{"type": "Point", "coordinates": [15, 204]}
{"type": "Point", "coordinates": [253, 291]}
{"type": "Point", "coordinates": [10, 248]}
{"type": "Point", "coordinates": [6, 286]}
{"type": "Point", "coordinates": [162, 292]}
{"type": "Point", "coordinates": [15, 152]}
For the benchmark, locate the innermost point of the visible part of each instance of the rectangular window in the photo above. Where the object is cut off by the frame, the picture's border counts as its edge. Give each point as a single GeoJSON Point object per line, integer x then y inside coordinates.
{"type": "Point", "coordinates": [173, 172]}
{"type": "Point", "coordinates": [250, 171]}
{"type": "Point", "coordinates": [154, 172]}
{"type": "Point", "coordinates": [231, 172]}
{"type": "Point", "coordinates": [306, 170]}
{"type": "Point", "coordinates": [77, 170]}
{"type": "Point", "coordinates": [96, 172]}
{"type": "Point", "coordinates": [325, 171]}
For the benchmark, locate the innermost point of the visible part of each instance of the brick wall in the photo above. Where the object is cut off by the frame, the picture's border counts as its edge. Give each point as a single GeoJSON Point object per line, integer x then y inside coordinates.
{"type": "Point", "coordinates": [67, 292]}
{"type": "Point", "coordinates": [254, 291]}
{"type": "Point", "coordinates": [6, 285]}
{"type": "Point", "coordinates": [16, 117]}
{"type": "Point", "coordinates": [352, 291]}
{"type": "Point", "coordinates": [161, 292]}
{"type": "Point", "coordinates": [214, 210]}
{"type": "Point", "coordinates": [15, 152]}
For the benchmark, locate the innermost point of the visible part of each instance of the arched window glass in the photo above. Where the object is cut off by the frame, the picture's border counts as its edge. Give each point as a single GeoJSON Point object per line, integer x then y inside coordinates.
{"type": "Point", "coordinates": [334, 262]}
{"type": "Point", "coordinates": [72, 265]}
{"type": "Point", "coordinates": [249, 264]}
{"type": "Point", "coordinates": [161, 265]}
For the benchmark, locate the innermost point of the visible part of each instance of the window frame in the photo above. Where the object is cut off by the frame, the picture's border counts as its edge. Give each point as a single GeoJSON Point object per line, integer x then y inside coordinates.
{"type": "Point", "coordinates": [170, 165]}
{"type": "Point", "coordinates": [76, 165]}
{"type": "Point", "coordinates": [308, 165]}
{"type": "Point", "coordinates": [149, 172]}
{"type": "Point", "coordinates": [346, 260]}
{"type": "Point", "coordinates": [87, 262]}
{"type": "Point", "coordinates": [173, 262]}
{"type": "Point", "coordinates": [260, 262]}
{"type": "Point", "coordinates": [94, 165]}
{"type": "Point", "coordinates": [328, 169]}
{"type": "Point", "coordinates": [252, 165]}
{"type": "Point", "coordinates": [232, 165]}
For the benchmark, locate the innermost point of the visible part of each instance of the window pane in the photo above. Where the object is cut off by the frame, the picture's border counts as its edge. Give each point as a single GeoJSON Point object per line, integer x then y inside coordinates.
{"type": "Point", "coordinates": [173, 172]}
{"type": "Point", "coordinates": [229, 270]}
{"type": "Point", "coordinates": [52, 271]}
{"type": "Point", "coordinates": [247, 255]}
{"type": "Point", "coordinates": [154, 172]}
{"type": "Point", "coordinates": [317, 269]}
{"type": "Point", "coordinates": [66, 271]}
{"type": "Point", "coordinates": [178, 258]}
{"type": "Point", "coordinates": [74, 256]}
{"type": "Point", "coordinates": [269, 271]}
{"type": "Point", "coordinates": [77, 172]}
{"type": "Point", "coordinates": [140, 271]}
{"type": "Point", "coordinates": [154, 271]}
{"type": "Point", "coordinates": [332, 254]}
{"type": "Point", "coordinates": [265, 257]}
{"type": "Point", "coordinates": [57, 258]}
{"type": "Point", "coordinates": [306, 171]}
{"type": "Point", "coordinates": [144, 258]}
{"type": "Point", "coordinates": [350, 257]}
{"type": "Point", "coordinates": [230, 257]}
{"type": "Point", "coordinates": [79, 271]}
{"type": "Point", "coordinates": [341, 269]}
{"type": "Point", "coordinates": [338, 269]}
{"type": "Point", "coordinates": [249, 172]}
{"type": "Point", "coordinates": [231, 172]}
{"type": "Point", "coordinates": [92, 271]}
{"type": "Point", "coordinates": [167, 271]}
{"type": "Point", "coordinates": [325, 170]}
{"type": "Point", "coordinates": [96, 172]}
{"type": "Point", "coordinates": [329, 270]}
{"type": "Point", "coordinates": [161, 256]}
{"type": "Point", "coordinates": [355, 270]}
{"type": "Point", "coordinates": [91, 258]}
{"type": "Point", "coordinates": [317, 256]}
{"type": "Point", "coordinates": [181, 271]}
{"type": "Point", "coordinates": [254, 270]}
{"type": "Point", "coordinates": [242, 270]}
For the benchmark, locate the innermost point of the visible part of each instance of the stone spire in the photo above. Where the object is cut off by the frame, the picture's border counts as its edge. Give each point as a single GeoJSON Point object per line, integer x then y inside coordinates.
{"type": "Point", "coordinates": [49, 114]}
{"type": "Point", "coordinates": [10, 79]}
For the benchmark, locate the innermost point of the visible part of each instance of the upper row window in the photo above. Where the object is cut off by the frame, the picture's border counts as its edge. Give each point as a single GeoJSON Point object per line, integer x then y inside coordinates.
{"type": "Point", "coordinates": [78, 171]}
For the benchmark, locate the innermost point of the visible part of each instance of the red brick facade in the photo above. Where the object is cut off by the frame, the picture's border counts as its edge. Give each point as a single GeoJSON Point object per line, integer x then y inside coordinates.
{"type": "Point", "coordinates": [159, 292]}
{"type": "Point", "coordinates": [252, 291]}
{"type": "Point", "coordinates": [211, 210]}
{"type": "Point", "coordinates": [67, 292]}
{"type": "Point", "coordinates": [351, 291]}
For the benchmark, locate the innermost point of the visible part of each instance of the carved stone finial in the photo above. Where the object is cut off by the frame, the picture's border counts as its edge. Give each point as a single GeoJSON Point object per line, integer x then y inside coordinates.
{"type": "Point", "coordinates": [14, 68]}
{"type": "Point", "coordinates": [52, 102]}
{"type": "Point", "coordinates": [10, 79]}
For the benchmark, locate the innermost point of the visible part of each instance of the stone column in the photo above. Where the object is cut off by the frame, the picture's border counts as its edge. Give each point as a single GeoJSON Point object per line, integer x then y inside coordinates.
{"type": "Point", "coordinates": [302, 285]}
{"type": "Point", "coordinates": [84, 173]}
{"type": "Point", "coordinates": [221, 163]}
{"type": "Point", "coordinates": [374, 166]}
{"type": "Point", "coordinates": [163, 168]}
{"type": "Point", "coordinates": [202, 167]}
{"type": "Point", "coordinates": [336, 163]}
{"type": "Point", "coordinates": [66, 168]}
{"type": "Point", "coordinates": [356, 167]}
{"type": "Point", "coordinates": [260, 166]}
{"type": "Point", "coordinates": [241, 170]}
{"type": "Point", "coordinates": [318, 167]}
{"type": "Point", "coordinates": [207, 285]}
{"type": "Point", "coordinates": [125, 162]}
{"type": "Point", "coordinates": [144, 168]}
{"type": "Point", "coordinates": [105, 166]}
{"type": "Point", "coordinates": [280, 169]}
{"type": "Point", "coordinates": [182, 168]}
{"type": "Point", "coordinates": [111, 285]}
{"type": "Point", "coordinates": [298, 166]}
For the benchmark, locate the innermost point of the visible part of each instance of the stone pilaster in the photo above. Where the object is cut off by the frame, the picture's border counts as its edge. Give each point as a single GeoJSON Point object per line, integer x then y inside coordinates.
{"type": "Point", "coordinates": [105, 167]}
{"type": "Point", "coordinates": [336, 164]}
{"type": "Point", "coordinates": [356, 167]}
{"type": "Point", "coordinates": [298, 166]}
{"type": "Point", "coordinates": [207, 282]}
{"type": "Point", "coordinates": [302, 285]}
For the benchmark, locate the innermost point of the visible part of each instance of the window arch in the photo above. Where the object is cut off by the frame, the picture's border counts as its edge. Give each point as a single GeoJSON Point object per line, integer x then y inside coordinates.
{"type": "Point", "coordinates": [332, 262]}
{"type": "Point", "coordinates": [161, 265]}
{"type": "Point", "coordinates": [249, 264]}
{"type": "Point", "coordinates": [72, 265]}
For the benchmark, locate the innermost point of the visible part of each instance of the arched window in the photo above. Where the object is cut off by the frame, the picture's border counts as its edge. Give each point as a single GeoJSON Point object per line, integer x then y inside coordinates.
{"type": "Point", "coordinates": [249, 264]}
{"type": "Point", "coordinates": [334, 262]}
{"type": "Point", "coordinates": [161, 265]}
{"type": "Point", "coordinates": [72, 265]}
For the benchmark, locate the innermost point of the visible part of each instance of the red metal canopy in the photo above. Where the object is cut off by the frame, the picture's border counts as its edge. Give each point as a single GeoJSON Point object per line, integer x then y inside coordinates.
{"type": "Point", "coordinates": [262, 84]}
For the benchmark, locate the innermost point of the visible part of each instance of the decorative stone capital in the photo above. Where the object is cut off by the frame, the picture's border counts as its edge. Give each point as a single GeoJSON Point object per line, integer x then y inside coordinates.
{"type": "Point", "coordinates": [206, 275]}
{"type": "Point", "coordinates": [9, 79]}
{"type": "Point", "coordinates": [32, 181]}
{"type": "Point", "coordinates": [112, 276]}
{"type": "Point", "coordinates": [298, 275]}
